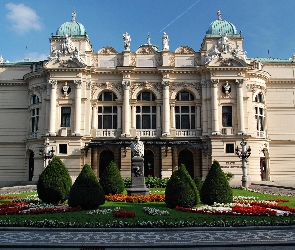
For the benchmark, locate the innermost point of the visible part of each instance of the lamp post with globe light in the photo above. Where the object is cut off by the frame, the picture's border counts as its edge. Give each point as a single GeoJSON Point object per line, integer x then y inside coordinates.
{"type": "Point", "coordinates": [244, 155]}
{"type": "Point", "coordinates": [46, 152]}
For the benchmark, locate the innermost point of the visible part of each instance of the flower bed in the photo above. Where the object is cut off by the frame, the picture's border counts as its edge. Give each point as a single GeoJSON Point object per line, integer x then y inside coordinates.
{"type": "Point", "coordinates": [245, 206]}
{"type": "Point", "coordinates": [33, 207]}
{"type": "Point", "coordinates": [123, 214]}
{"type": "Point", "coordinates": [136, 198]}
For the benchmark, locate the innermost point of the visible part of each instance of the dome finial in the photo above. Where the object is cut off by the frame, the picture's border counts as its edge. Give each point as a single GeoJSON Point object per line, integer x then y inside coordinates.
{"type": "Point", "coordinates": [219, 15]}
{"type": "Point", "coordinates": [149, 39]}
{"type": "Point", "coordinates": [74, 16]}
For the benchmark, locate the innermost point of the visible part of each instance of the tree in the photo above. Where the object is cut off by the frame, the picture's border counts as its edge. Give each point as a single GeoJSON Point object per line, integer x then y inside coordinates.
{"type": "Point", "coordinates": [54, 183]}
{"type": "Point", "coordinates": [216, 187]}
{"type": "Point", "coordinates": [111, 180]}
{"type": "Point", "coordinates": [181, 189]}
{"type": "Point", "coordinates": [86, 191]}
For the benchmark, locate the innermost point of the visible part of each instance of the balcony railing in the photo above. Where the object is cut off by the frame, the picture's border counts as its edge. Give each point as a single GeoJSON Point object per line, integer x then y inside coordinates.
{"type": "Point", "coordinates": [261, 134]}
{"type": "Point", "coordinates": [32, 135]}
{"type": "Point", "coordinates": [146, 132]}
{"type": "Point", "coordinates": [187, 133]}
{"type": "Point", "coordinates": [106, 133]}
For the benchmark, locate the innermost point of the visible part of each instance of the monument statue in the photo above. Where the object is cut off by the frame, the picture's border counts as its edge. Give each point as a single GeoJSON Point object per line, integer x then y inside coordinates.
{"type": "Point", "coordinates": [165, 40]}
{"type": "Point", "coordinates": [138, 186]}
{"type": "Point", "coordinates": [127, 40]}
{"type": "Point", "coordinates": [137, 147]}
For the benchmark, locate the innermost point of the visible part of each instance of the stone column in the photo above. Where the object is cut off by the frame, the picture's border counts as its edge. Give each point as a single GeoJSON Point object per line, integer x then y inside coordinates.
{"type": "Point", "coordinates": [204, 107]}
{"type": "Point", "coordinates": [78, 108]}
{"type": "Point", "coordinates": [119, 116]}
{"type": "Point", "coordinates": [198, 117]}
{"type": "Point", "coordinates": [52, 119]}
{"type": "Point", "coordinates": [126, 109]}
{"type": "Point", "coordinates": [133, 116]}
{"type": "Point", "coordinates": [240, 107]}
{"type": "Point", "coordinates": [214, 100]}
{"type": "Point", "coordinates": [166, 109]}
{"type": "Point", "coordinates": [173, 116]}
{"type": "Point", "coordinates": [94, 116]}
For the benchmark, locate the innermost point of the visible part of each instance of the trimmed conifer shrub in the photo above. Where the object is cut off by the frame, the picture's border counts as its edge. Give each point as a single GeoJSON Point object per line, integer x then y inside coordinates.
{"type": "Point", "coordinates": [86, 191]}
{"type": "Point", "coordinates": [181, 190]}
{"type": "Point", "coordinates": [54, 183]}
{"type": "Point", "coordinates": [199, 183]}
{"type": "Point", "coordinates": [111, 180]}
{"type": "Point", "coordinates": [216, 187]}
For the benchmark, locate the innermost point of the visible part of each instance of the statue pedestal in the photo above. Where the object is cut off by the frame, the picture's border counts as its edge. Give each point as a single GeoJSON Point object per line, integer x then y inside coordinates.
{"type": "Point", "coordinates": [138, 186]}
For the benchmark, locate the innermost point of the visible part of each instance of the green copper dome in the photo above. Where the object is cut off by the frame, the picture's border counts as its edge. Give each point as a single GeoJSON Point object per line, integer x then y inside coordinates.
{"type": "Point", "coordinates": [72, 28]}
{"type": "Point", "coordinates": [220, 26]}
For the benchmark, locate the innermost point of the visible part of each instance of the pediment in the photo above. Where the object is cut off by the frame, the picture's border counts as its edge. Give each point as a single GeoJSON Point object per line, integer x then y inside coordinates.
{"type": "Point", "coordinates": [65, 63]}
{"type": "Point", "coordinates": [107, 51]}
{"type": "Point", "coordinates": [184, 50]}
{"type": "Point", "coordinates": [227, 62]}
{"type": "Point", "coordinates": [146, 50]}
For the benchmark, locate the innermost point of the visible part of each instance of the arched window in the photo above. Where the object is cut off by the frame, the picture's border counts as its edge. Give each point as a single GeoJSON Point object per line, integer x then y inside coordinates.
{"type": "Point", "coordinates": [185, 110]}
{"type": "Point", "coordinates": [107, 111]}
{"type": "Point", "coordinates": [146, 111]}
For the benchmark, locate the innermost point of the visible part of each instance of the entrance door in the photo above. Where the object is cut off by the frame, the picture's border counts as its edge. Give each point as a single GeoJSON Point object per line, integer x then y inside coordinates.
{"type": "Point", "coordinates": [186, 157]}
{"type": "Point", "coordinates": [148, 163]}
{"type": "Point", "coordinates": [105, 158]}
{"type": "Point", "coordinates": [263, 168]}
{"type": "Point", "coordinates": [31, 166]}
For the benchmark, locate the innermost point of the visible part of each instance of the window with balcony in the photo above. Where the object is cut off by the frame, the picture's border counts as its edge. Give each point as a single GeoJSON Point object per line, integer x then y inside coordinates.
{"type": "Point", "coordinates": [146, 117]}
{"type": "Point", "coordinates": [185, 111]}
{"type": "Point", "coordinates": [107, 117]}
{"type": "Point", "coordinates": [65, 117]}
{"type": "Point", "coordinates": [107, 113]}
{"type": "Point", "coordinates": [227, 120]}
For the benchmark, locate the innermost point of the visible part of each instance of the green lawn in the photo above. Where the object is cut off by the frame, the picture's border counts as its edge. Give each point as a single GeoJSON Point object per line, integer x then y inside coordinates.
{"type": "Point", "coordinates": [176, 218]}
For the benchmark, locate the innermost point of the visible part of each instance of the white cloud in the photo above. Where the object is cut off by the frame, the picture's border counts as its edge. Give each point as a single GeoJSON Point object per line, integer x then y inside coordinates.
{"type": "Point", "coordinates": [36, 56]}
{"type": "Point", "coordinates": [23, 18]}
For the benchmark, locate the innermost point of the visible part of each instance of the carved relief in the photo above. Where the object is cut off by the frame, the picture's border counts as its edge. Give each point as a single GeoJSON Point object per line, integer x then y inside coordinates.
{"type": "Point", "coordinates": [194, 87]}
{"type": "Point", "coordinates": [146, 51]}
{"type": "Point", "coordinates": [98, 87]}
{"type": "Point", "coordinates": [228, 62]}
{"type": "Point", "coordinates": [156, 88]}
{"type": "Point", "coordinates": [107, 51]}
{"type": "Point", "coordinates": [184, 50]}
{"type": "Point", "coordinates": [171, 60]}
{"type": "Point", "coordinates": [132, 61]}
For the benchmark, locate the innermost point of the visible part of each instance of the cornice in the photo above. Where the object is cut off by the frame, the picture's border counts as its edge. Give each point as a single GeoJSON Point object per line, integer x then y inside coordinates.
{"type": "Point", "coordinates": [260, 74]}
{"type": "Point", "coordinates": [33, 75]}
{"type": "Point", "coordinates": [282, 80]}
{"type": "Point", "coordinates": [12, 82]}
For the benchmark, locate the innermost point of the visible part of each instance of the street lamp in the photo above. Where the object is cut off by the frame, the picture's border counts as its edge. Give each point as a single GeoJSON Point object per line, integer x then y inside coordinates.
{"type": "Point", "coordinates": [244, 155]}
{"type": "Point", "coordinates": [46, 153]}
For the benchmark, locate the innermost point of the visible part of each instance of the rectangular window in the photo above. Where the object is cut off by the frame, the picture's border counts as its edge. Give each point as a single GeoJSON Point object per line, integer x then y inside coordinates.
{"type": "Point", "coordinates": [63, 148]}
{"type": "Point", "coordinates": [229, 148]}
{"type": "Point", "coordinates": [34, 120]}
{"type": "Point", "coordinates": [227, 116]}
{"type": "Point", "coordinates": [107, 117]}
{"type": "Point", "coordinates": [65, 117]}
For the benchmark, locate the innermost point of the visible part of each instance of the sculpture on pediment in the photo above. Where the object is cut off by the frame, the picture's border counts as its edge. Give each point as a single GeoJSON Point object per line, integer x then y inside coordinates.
{"type": "Point", "coordinates": [292, 59]}
{"type": "Point", "coordinates": [1, 59]}
{"type": "Point", "coordinates": [67, 46]}
{"type": "Point", "coordinates": [76, 55]}
{"type": "Point", "coordinates": [211, 54]}
{"type": "Point", "coordinates": [165, 40]}
{"type": "Point", "coordinates": [184, 50]}
{"type": "Point", "coordinates": [224, 44]}
{"type": "Point", "coordinates": [127, 40]}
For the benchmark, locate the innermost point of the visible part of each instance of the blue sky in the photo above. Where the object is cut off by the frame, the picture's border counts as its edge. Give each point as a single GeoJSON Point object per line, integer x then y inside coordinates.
{"type": "Point", "coordinates": [26, 26]}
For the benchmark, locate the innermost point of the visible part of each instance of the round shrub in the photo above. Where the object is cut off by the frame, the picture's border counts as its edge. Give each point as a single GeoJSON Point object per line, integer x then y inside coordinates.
{"type": "Point", "coordinates": [86, 191]}
{"type": "Point", "coordinates": [54, 183]}
{"type": "Point", "coordinates": [216, 187]}
{"type": "Point", "coordinates": [111, 180]}
{"type": "Point", "coordinates": [181, 190]}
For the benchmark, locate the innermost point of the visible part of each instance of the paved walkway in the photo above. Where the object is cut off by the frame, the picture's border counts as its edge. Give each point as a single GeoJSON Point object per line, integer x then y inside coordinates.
{"type": "Point", "coordinates": [191, 238]}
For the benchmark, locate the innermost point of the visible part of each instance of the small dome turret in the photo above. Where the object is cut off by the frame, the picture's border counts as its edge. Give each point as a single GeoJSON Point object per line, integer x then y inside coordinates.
{"type": "Point", "coordinates": [220, 26]}
{"type": "Point", "coordinates": [72, 28]}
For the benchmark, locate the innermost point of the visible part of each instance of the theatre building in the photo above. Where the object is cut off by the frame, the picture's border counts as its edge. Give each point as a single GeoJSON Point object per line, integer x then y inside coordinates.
{"type": "Point", "coordinates": [191, 106]}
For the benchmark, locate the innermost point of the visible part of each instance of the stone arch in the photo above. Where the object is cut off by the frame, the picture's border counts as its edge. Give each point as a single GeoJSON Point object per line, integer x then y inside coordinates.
{"type": "Point", "coordinates": [102, 87]}
{"type": "Point", "coordinates": [190, 89]}
{"type": "Point", "coordinates": [140, 89]}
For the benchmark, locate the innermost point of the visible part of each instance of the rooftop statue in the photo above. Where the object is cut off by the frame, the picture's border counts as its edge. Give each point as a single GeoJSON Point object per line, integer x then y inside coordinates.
{"type": "Point", "coordinates": [137, 147]}
{"type": "Point", "coordinates": [165, 40]}
{"type": "Point", "coordinates": [127, 40]}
